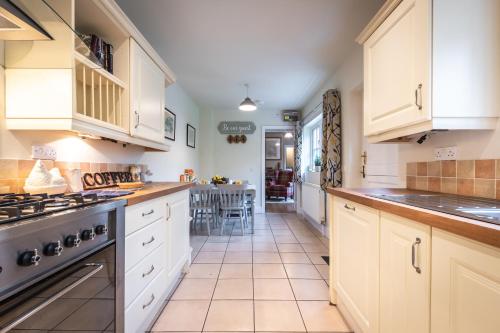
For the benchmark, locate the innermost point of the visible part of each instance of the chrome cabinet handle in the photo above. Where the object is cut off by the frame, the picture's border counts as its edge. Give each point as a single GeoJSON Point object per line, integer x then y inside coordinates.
{"type": "Point", "coordinates": [346, 206]}
{"type": "Point", "coordinates": [414, 254]}
{"type": "Point", "coordinates": [30, 313]}
{"type": "Point", "coordinates": [149, 303]}
{"type": "Point", "coordinates": [418, 96]}
{"type": "Point", "coordinates": [169, 210]}
{"type": "Point", "coordinates": [148, 272]}
{"type": "Point", "coordinates": [137, 119]}
{"type": "Point", "coordinates": [149, 241]}
{"type": "Point", "coordinates": [148, 213]}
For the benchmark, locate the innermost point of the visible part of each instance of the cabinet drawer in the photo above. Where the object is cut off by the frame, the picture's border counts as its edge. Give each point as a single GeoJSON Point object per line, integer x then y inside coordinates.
{"type": "Point", "coordinates": [354, 208]}
{"type": "Point", "coordinates": [142, 242]}
{"type": "Point", "coordinates": [139, 315]}
{"type": "Point", "coordinates": [140, 215]}
{"type": "Point", "coordinates": [143, 273]}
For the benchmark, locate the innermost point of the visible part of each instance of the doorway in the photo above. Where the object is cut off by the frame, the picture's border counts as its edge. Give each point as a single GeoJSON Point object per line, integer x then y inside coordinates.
{"type": "Point", "coordinates": [278, 167]}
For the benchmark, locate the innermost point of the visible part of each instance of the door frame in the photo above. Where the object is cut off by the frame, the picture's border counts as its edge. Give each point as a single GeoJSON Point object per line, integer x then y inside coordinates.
{"type": "Point", "coordinates": [263, 161]}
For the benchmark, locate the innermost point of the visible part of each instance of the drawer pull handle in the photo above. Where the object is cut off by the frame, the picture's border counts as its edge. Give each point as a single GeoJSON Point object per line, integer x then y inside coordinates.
{"type": "Point", "coordinates": [346, 206]}
{"type": "Point", "coordinates": [148, 272]}
{"type": "Point", "coordinates": [414, 255]}
{"type": "Point", "coordinates": [149, 303]}
{"type": "Point", "coordinates": [148, 213]}
{"type": "Point", "coordinates": [149, 241]}
{"type": "Point", "coordinates": [418, 96]}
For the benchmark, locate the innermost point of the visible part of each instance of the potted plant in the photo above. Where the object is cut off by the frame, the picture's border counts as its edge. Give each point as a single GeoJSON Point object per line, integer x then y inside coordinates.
{"type": "Point", "coordinates": [317, 164]}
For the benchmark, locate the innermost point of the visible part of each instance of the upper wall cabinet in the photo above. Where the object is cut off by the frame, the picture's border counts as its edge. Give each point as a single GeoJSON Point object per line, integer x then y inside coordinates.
{"type": "Point", "coordinates": [425, 69]}
{"type": "Point", "coordinates": [62, 84]}
{"type": "Point", "coordinates": [147, 95]}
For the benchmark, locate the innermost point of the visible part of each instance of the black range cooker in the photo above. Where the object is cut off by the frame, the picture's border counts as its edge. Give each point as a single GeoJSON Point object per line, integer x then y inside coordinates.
{"type": "Point", "coordinates": [59, 269]}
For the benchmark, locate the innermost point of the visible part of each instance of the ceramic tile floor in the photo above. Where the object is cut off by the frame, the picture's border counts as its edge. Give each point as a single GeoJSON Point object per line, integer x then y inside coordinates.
{"type": "Point", "coordinates": [272, 281]}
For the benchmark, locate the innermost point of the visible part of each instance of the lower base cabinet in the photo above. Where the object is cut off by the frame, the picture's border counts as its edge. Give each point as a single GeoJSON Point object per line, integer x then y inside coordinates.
{"type": "Point", "coordinates": [465, 285]}
{"type": "Point", "coordinates": [404, 275]}
{"type": "Point", "coordinates": [157, 250]}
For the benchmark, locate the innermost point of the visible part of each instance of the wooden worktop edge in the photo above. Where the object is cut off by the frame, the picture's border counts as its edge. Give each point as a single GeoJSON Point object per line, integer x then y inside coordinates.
{"type": "Point", "coordinates": [155, 190]}
{"type": "Point", "coordinates": [483, 232]}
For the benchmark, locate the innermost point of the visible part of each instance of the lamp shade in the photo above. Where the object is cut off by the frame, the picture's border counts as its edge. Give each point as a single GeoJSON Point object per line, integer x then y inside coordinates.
{"type": "Point", "coordinates": [247, 105]}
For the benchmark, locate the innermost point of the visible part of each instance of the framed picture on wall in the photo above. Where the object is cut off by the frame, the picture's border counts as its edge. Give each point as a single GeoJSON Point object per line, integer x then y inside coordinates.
{"type": "Point", "coordinates": [191, 136]}
{"type": "Point", "coordinates": [170, 119]}
{"type": "Point", "coordinates": [273, 148]}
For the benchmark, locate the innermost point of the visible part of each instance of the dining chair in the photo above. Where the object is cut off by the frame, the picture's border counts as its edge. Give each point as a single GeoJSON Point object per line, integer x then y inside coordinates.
{"type": "Point", "coordinates": [201, 202]}
{"type": "Point", "coordinates": [232, 200]}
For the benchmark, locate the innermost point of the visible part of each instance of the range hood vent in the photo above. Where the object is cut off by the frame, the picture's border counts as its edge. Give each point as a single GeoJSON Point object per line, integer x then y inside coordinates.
{"type": "Point", "coordinates": [15, 24]}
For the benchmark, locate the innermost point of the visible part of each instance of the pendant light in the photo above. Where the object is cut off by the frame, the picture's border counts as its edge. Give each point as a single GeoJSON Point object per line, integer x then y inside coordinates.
{"type": "Point", "coordinates": [247, 104]}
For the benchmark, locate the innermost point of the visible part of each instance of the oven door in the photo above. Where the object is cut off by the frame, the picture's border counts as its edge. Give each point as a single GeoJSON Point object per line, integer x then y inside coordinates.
{"type": "Point", "coordinates": [79, 298]}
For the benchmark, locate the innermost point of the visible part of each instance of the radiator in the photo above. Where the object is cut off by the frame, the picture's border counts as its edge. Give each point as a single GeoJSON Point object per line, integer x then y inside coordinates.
{"type": "Point", "coordinates": [313, 202]}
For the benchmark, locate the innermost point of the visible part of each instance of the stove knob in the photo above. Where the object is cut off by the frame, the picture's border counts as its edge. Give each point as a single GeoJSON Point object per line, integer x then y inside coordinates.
{"type": "Point", "coordinates": [72, 240]}
{"type": "Point", "coordinates": [29, 258]}
{"type": "Point", "coordinates": [88, 234]}
{"type": "Point", "coordinates": [101, 229]}
{"type": "Point", "coordinates": [53, 249]}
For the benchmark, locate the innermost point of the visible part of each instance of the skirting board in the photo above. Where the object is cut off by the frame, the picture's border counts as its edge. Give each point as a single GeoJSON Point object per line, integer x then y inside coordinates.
{"type": "Point", "coordinates": [319, 227]}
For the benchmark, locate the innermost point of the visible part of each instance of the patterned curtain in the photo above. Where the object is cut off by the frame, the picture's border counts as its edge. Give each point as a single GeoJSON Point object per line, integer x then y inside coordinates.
{"type": "Point", "coordinates": [331, 155]}
{"type": "Point", "coordinates": [298, 154]}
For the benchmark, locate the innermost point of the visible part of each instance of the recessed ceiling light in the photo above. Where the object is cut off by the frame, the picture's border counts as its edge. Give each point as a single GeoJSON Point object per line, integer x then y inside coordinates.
{"type": "Point", "coordinates": [247, 104]}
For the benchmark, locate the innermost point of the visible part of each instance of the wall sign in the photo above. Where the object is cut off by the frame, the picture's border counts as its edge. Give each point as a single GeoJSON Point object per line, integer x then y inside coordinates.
{"type": "Point", "coordinates": [105, 179]}
{"type": "Point", "coordinates": [236, 127]}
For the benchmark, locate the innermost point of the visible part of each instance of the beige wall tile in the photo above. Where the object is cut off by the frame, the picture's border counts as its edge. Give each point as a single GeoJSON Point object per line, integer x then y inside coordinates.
{"type": "Point", "coordinates": [465, 169]}
{"type": "Point", "coordinates": [434, 169]}
{"type": "Point", "coordinates": [485, 169]}
{"type": "Point", "coordinates": [465, 186]}
{"type": "Point", "coordinates": [12, 185]}
{"type": "Point", "coordinates": [422, 169]}
{"type": "Point", "coordinates": [8, 169]}
{"type": "Point", "coordinates": [498, 189]}
{"type": "Point", "coordinates": [434, 184]}
{"type": "Point", "coordinates": [422, 183]}
{"type": "Point", "coordinates": [411, 182]}
{"type": "Point", "coordinates": [484, 188]}
{"type": "Point", "coordinates": [25, 167]}
{"type": "Point", "coordinates": [448, 168]}
{"type": "Point", "coordinates": [498, 169]}
{"type": "Point", "coordinates": [449, 185]}
{"type": "Point", "coordinates": [411, 169]}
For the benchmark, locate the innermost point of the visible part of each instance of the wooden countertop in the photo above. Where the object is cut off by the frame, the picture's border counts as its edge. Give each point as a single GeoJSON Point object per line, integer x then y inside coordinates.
{"type": "Point", "coordinates": [483, 232]}
{"type": "Point", "coordinates": [155, 190]}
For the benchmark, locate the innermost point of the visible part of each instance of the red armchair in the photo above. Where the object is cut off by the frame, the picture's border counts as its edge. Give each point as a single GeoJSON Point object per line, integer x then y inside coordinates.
{"type": "Point", "coordinates": [282, 187]}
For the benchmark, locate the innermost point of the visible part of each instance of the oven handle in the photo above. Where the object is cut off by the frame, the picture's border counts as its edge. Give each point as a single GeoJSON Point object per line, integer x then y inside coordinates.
{"type": "Point", "coordinates": [54, 297]}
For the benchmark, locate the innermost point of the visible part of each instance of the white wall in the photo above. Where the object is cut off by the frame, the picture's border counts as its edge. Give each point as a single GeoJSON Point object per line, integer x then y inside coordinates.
{"type": "Point", "coordinates": [236, 161]}
{"type": "Point", "coordinates": [348, 79]}
{"type": "Point", "coordinates": [167, 166]}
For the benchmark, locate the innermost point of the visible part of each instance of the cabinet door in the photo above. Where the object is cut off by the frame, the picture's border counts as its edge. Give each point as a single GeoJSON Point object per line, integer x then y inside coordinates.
{"type": "Point", "coordinates": [397, 69]}
{"type": "Point", "coordinates": [178, 226]}
{"type": "Point", "coordinates": [465, 285]}
{"type": "Point", "coordinates": [404, 275]}
{"type": "Point", "coordinates": [147, 87]}
{"type": "Point", "coordinates": [356, 261]}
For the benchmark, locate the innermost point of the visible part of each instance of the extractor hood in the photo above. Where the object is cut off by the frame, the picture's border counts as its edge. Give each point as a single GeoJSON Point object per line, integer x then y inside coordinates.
{"type": "Point", "coordinates": [15, 24]}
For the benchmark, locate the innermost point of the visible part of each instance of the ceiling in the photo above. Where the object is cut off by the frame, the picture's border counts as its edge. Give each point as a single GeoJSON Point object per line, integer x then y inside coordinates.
{"type": "Point", "coordinates": [284, 49]}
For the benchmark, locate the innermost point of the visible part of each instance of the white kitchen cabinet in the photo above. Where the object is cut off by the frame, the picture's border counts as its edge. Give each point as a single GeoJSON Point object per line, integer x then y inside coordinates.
{"type": "Point", "coordinates": [404, 275]}
{"type": "Point", "coordinates": [156, 252]}
{"type": "Point", "coordinates": [396, 69]}
{"type": "Point", "coordinates": [465, 285]}
{"type": "Point", "coordinates": [356, 262]}
{"type": "Point", "coordinates": [147, 89]}
{"type": "Point", "coordinates": [431, 65]}
{"type": "Point", "coordinates": [178, 232]}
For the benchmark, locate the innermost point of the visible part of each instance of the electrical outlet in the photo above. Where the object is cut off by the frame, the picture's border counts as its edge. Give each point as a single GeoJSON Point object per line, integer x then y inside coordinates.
{"type": "Point", "coordinates": [451, 153]}
{"type": "Point", "coordinates": [447, 153]}
{"type": "Point", "coordinates": [43, 153]}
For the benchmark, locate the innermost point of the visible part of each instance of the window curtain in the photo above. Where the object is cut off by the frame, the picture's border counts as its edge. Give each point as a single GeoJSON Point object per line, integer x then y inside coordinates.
{"type": "Point", "coordinates": [331, 154]}
{"type": "Point", "coordinates": [297, 175]}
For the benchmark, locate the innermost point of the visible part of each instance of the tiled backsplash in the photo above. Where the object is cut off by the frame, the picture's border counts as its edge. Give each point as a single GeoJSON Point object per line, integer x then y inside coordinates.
{"type": "Point", "coordinates": [13, 173]}
{"type": "Point", "coordinates": [480, 178]}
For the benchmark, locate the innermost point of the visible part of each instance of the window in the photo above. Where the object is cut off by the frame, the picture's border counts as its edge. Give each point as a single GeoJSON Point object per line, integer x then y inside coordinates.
{"type": "Point", "coordinates": [315, 144]}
